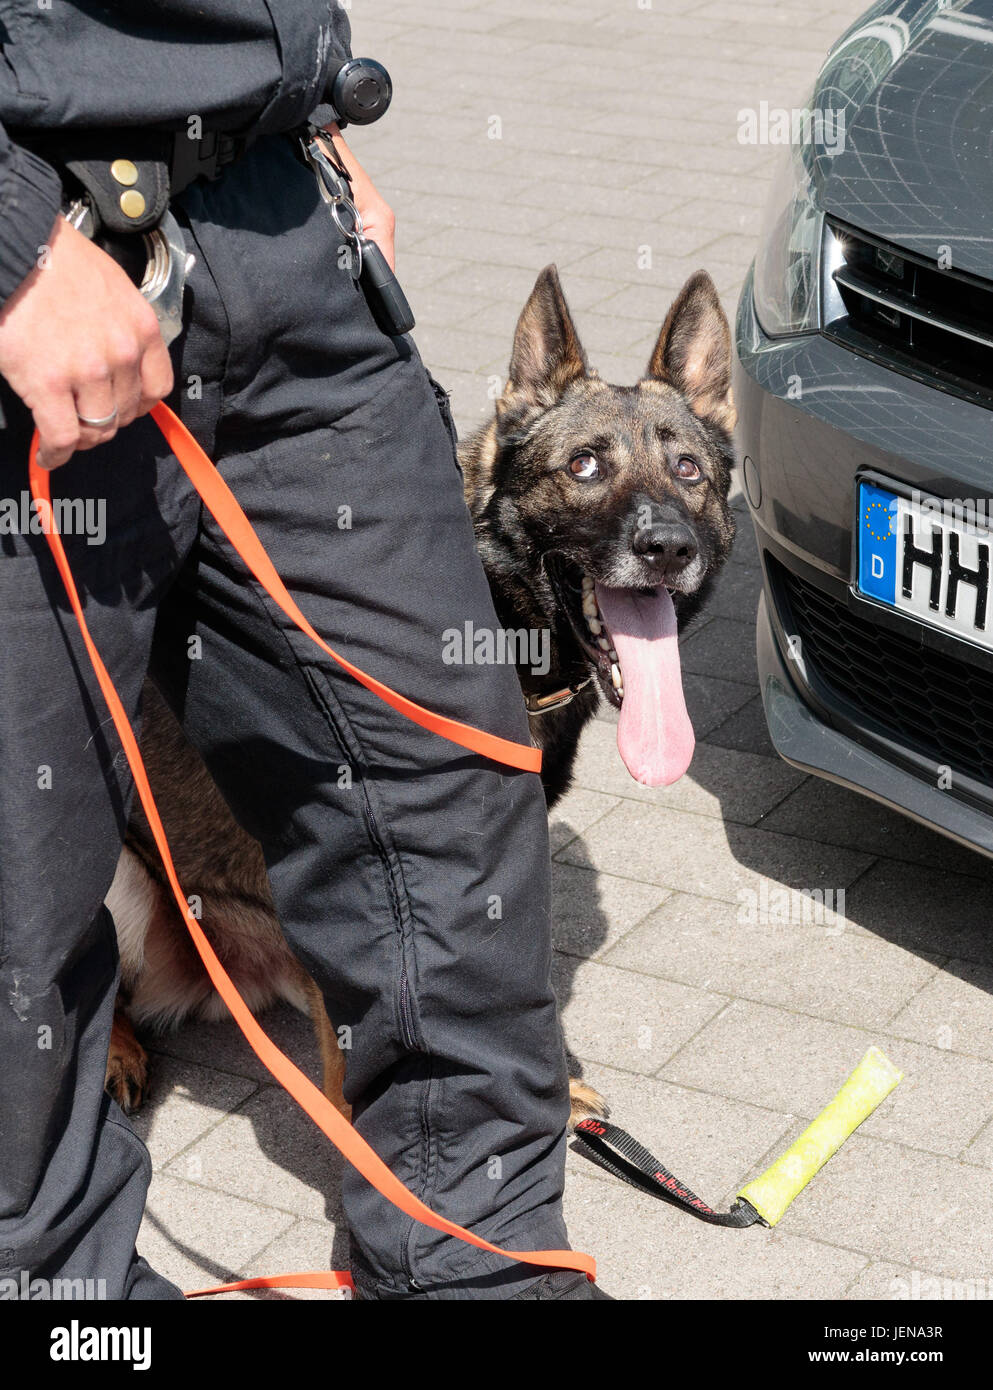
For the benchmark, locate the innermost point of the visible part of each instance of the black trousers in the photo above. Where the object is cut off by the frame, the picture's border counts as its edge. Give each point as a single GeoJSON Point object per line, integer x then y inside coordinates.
{"type": "Point", "coordinates": [415, 889]}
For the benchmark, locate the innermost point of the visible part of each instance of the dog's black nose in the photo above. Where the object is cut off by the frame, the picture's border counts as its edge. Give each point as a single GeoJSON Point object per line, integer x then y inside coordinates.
{"type": "Point", "coordinates": [671, 545]}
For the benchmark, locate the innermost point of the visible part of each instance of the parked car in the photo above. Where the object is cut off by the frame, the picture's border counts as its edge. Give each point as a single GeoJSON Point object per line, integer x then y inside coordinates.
{"type": "Point", "coordinates": [864, 386]}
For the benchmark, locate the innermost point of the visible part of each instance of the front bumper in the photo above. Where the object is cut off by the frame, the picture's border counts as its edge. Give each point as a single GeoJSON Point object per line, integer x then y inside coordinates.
{"type": "Point", "coordinates": [812, 416]}
{"type": "Point", "coordinates": [804, 739]}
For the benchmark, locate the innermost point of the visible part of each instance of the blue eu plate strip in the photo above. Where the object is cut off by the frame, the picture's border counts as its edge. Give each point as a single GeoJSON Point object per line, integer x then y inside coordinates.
{"type": "Point", "coordinates": [877, 543]}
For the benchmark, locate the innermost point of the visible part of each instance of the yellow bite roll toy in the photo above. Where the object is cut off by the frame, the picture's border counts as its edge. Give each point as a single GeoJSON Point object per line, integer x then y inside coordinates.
{"type": "Point", "coordinates": [766, 1198]}
{"type": "Point", "coordinates": [869, 1084]}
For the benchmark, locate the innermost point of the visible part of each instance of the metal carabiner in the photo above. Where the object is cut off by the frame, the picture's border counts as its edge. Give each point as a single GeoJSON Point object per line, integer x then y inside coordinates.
{"type": "Point", "coordinates": [335, 189]}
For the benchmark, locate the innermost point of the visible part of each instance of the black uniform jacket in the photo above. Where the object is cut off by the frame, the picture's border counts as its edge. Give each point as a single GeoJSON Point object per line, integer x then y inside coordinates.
{"type": "Point", "coordinates": [237, 64]}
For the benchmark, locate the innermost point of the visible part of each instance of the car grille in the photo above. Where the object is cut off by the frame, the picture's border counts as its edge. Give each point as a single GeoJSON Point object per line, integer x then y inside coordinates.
{"type": "Point", "coordinates": [905, 311]}
{"type": "Point", "coordinates": [939, 706]}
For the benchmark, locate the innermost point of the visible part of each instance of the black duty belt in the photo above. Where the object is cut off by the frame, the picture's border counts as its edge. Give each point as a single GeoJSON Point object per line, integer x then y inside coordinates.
{"type": "Point", "coordinates": [204, 158]}
{"type": "Point", "coordinates": [118, 185]}
{"type": "Point", "coordinates": [129, 175]}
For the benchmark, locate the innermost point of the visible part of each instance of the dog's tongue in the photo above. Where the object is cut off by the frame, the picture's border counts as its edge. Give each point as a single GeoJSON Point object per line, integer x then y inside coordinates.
{"type": "Point", "coordinates": [655, 736]}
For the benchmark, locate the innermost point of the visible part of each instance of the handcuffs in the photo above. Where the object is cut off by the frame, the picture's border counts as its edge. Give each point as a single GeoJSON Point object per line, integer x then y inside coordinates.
{"type": "Point", "coordinates": [163, 282]}
{"type": "Point", "coordinates": [168, 264]}
{"type": "Point", "coordinates": [358, 91]}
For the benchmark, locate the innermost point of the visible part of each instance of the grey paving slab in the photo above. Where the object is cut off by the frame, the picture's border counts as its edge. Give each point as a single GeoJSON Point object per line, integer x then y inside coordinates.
{"type": "Point", "coordinates": [270, 1153]}
{"type": "Point", "coordinates": [317, 1245]}
{"type": "Point", "coordinates": [718, 215]}
{"type": "Point", "coordinates": [903, 1205]}
{"type": "Point", "coordinates": [579, 217]}
{"type": "Point", "coordinates": [647, 1250]}
{"type": "Point", "coordinates": [696, 624]}
{"type": "Point", "coordinates": [550, 139]}
{"type": "Point", "coordinates": [711, 700]}
{"type": "Point", "coordinates": [578, 810]}
{"type": "Point", "coordinates": [736, 593]}
{"type": "Point", "coordinates": [186, 1101]}
{"type": "Point", "coordinates": [980, 1151]}
{"type": "Point", "coordinates": [736, 248]}
{"type": "Point", "coordinates": [459, 309]}
{"type": "Point", "coordinates": [471, 19]}
{"type": "Point", "coordinates": [843, 817]}
{"type": "Point", "coordinates": [746, 551]}
{"type": "Point", "coordinates": [954, 1010]}
{"type": "Point", "coordinates": [625, 1020]}
{"type": "Point", "coordinates": [471, 399]}
{"type": "Point", "coordinates": [725, 648]}
{"type": "Point", "coordinates": [669, 273]}
{"type": "Point", "coordinates": [589, 291]}
{"type": "Point", "coordinates": [734, 786]}
{"type": "Point", "coordinates": [814, 967]}
{"type": "Point", "coordinates": [510, 249]}
{"type": "Point", "coordinates": [590, 226]}
{"type": "Point", "coordinates": [702, 855]}
{"type": "Point", "coordinates": [592, 912]}
{"type": "Point", "coordinates": [795, 1063]}
{"type": "Point", "coordinates": [718, 156]}
{"type": "Point", "coordinates": [421, 269]}
{"type": "Point", "coordinates": [510, 284]}
{"type": "Point", "coordinates": [883, 1280]}
{"type": "Point", "coordinates": [919, 907]}
{"type": "Point", "coordinates": [610, 334]}
{"type": "Point", "coordinates": [467, 154]}
{"type": "Point", "coordinates": [199, 1238]}
{"type": "Point", "coordinates": [452, 349]}
{"type": "Point", "coordinates": [220, 1047]}
{"type": "Point", "coordinates": [623, 369]}
{"type": "Point", "coordinates": [745, 729]}
{"type": "Point", "coordinates": [426, 180]}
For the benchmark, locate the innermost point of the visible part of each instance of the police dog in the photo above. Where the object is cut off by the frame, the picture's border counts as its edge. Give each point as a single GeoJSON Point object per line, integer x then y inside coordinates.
{"type": "Point", "coordinates": [602, 517]}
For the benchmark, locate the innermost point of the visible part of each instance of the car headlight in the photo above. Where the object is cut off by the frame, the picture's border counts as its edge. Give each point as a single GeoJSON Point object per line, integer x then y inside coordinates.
{"type": "Point", "coordinates": [788, 265]}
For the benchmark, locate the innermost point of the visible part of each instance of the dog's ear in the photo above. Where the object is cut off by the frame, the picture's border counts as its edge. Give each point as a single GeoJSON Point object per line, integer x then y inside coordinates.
{"type": "Point", "coordinates": [547, 354]}
{"type": "Point", "coordinates": [693, 352]}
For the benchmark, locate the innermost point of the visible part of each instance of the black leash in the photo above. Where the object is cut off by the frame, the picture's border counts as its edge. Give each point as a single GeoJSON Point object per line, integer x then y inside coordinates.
{"type": "Point", "coordinates": [615, 1150]}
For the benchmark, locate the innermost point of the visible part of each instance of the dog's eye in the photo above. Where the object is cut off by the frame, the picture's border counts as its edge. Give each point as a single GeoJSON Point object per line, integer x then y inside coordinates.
{"type": "Point", "coordinates": [584, 467]}
{"type": "Point", "coordinates": [687, 468]}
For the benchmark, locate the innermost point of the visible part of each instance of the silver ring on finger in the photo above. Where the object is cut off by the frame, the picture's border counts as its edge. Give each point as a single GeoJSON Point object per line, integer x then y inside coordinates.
{"type": "Point", "coordinates": [98, 424]}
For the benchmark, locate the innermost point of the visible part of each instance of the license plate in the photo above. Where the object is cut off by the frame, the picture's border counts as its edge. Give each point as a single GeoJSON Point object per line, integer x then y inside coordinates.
{"type": "Point", "coordinates": [926, 558]}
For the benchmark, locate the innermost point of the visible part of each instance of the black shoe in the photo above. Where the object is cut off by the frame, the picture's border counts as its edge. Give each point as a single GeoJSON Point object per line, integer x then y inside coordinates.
{"type": "Point", "coordinates": [562, 1284]}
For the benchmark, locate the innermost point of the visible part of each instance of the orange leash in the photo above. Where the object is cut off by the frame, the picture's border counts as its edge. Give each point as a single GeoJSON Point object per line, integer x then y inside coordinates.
{"type": "Point", "coordinates": [224, 507]}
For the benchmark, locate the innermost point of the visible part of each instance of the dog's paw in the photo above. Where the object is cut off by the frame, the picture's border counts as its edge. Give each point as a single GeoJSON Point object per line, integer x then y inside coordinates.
{"type": "Point", "coordinates": [126, 1080]}
{"type": "Point", "coordinates": [585, 1102]}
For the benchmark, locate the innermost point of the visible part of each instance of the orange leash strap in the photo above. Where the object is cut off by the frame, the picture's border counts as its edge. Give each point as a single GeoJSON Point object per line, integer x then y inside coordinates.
{"type": "Point", "coordinates": [221, 502]}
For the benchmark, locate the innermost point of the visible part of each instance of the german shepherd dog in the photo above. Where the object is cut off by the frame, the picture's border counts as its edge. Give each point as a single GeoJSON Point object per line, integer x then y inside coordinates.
{"type": "Point", "coordinates": [602, 517]}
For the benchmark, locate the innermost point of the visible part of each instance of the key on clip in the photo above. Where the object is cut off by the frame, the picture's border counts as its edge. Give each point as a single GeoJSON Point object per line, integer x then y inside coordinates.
{"type": "Point", "coordinates": [382, 291]}
{"type": "Point", "coordinates": [368, 265]}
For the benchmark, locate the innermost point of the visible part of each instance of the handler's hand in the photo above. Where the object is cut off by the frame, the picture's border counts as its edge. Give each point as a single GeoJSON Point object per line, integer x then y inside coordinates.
{"type": "Point", "coordinates": [77, 338]}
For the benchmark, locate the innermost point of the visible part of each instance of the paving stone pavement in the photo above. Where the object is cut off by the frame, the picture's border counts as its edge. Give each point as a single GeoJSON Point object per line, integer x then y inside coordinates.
{"type": "Point", "coordinates": [602, 135]}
